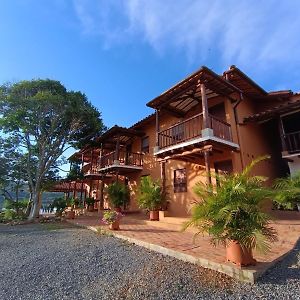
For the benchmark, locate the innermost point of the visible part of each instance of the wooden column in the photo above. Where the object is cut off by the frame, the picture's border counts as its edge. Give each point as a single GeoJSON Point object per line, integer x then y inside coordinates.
{"type": "Point", "coordinates": [126, 182]}
{"type": "Point", "coordinates": [163, 174]}
{"type": "Point", "coordinates": [281, 133]}
{"type": "Point", "coordinates": [85, 194]}
{"type": "Point", "coordinates": [97, 192]}
{"type": "Point", "coordinates": [207, 167]}
{"type": "Point", "coordinates": [91, 187]}
{"type": "Point", "coordinates": [157, 128]}
{"type": "Point", "coordinates": [204, 107]}
{"type": "Point", "coordinates": [74, 191]}
{"type": "Point", "coordinates": [69, 189]}
{"type": "Point", "coordinates": [100, 155]}
{"type": "Point", "coordinates": [92, 158]}
{"type": "Point", "coordinates": [117, 148]}
{"type": "Point", "coordinates": [81, 191]}
{"type": "Point", "coordinates": [101, 203]}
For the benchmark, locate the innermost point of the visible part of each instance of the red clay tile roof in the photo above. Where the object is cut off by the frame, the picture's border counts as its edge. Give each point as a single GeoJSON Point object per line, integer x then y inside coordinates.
{"type": "Point", "coordinates": [282, 108]}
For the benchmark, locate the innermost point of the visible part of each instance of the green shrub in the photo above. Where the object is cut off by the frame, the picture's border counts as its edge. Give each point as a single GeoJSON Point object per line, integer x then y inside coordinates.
{"type": "Point", "coordinates": [90, 201]}
{"type": "Point", "coordinates": [19, 207]}
{"type": "Point", "coordinates": [9, 215]}
{"type": "Point", "coordinates": [60, 204]}
{"type": "Point", "coordinates": [118, 194]}
{"type": "Point", "coordinates": [151, 195]}
{"type": "Point", "coordinates": [287, 193]}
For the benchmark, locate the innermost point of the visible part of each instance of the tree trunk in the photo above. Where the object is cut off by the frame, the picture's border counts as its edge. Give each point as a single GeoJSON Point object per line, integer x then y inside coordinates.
{"type": "Point", "coordinates": [36, 205]}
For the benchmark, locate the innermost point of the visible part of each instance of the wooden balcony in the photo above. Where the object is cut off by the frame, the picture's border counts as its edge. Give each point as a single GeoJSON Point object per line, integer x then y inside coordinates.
{"type": "Point", "coordinates": [189, 131]}
{"type": "Point", "coordinates": [121, 163]}
{"type": "Point", "coordinates": [291, 142]}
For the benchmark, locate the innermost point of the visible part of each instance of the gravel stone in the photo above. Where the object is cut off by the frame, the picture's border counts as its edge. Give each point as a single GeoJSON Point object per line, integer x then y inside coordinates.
{"type": "Point", "coordinates": [58, 261]}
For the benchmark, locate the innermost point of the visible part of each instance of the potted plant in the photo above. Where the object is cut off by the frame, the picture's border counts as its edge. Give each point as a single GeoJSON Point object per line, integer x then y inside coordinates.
{"type": "Point", "coordinates": [60, 204]}
{"type": "Point", "coordinates": [70, 213]}
{"type": "Point", "coordinates": [90, 204]}
{"type": "Point", "coordinates": [288, 191]}
{"type": "Point", "coordinates": [231, 213]}
{"type": "Point", "coordinates": [151, 196]}
{"type": "Point", "coordinates": [112, 218]}
{"type": "Point", "coordinates": [118, 195]}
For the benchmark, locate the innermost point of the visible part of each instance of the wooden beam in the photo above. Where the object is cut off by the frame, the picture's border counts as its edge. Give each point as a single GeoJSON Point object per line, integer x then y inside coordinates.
{"type": "Point", "coordinates": [186, 153]}
{"type": "Point", "coordinates": [117, 148]}
{"type": "Point", "coordinates": [172, 110]}
{"type": "Point", "coordinates": [204, 107]}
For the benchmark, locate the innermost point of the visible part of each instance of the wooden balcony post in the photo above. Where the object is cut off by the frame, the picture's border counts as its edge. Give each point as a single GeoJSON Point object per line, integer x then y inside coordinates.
{"type": "Point", "coordinates": [157, 127]}
{"type": "Point", "coordinates": [81, 191]}
{"type": "Point", "coordinates": [100, 155]}
{"type": "Point", "coordinates": [101, 202]}
{"type": "Point", "coordinates": [281, 133]}
{"type": "Point", "coordinates": [207, 167]}
{"type": "Point", "coordinates": [204, 106]}
{"type": "Point", "coordinates": [74, 191]}
{"type": "Point", "coordinates": [92, 158]}
{"type": "Point", "coordinates": [117, 153]}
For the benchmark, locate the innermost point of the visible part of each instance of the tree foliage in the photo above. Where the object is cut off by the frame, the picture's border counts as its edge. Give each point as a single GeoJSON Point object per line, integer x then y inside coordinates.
{"type": "Point", "coordinates": [42, 119]}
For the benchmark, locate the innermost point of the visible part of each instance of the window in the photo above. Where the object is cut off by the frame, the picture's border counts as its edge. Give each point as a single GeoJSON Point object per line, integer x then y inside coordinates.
{"type": "Point", "coordinates": [145, 144]}
{"type": "Point", "coordinates": [180, 181]}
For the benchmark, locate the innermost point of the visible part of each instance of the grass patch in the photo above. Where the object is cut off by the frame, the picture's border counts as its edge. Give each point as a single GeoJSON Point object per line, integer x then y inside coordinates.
{"type": "Point", "coordinates": [56, 226]}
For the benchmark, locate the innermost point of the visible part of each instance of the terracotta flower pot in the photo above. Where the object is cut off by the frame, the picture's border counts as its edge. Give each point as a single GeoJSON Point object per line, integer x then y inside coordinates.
{"type": "Point", "coordinates": [238, 255]}
{"type": "Point", "coordinates": [70, 214]}
{"type": "Point", "coordinates": [154, 215]}
{"type": "Point", "coordinates": [90, 208]}
{"type": "Point", "coordinates": [115, 225]}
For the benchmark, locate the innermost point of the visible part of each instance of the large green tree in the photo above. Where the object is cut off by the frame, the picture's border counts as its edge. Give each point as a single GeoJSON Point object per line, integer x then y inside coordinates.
{"type": "Point", "coordinates": [42, 119]}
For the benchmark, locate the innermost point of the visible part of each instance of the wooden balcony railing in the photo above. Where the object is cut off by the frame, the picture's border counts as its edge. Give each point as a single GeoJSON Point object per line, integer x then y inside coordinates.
{"type": "Point", "coordinates": [125, 159]}
{"type": "Point", "coordinates": [221, 128]}
{"type": "Point", "coordinates": [291, 142]}
{"type": "Point", "coordinates": [191, 128]}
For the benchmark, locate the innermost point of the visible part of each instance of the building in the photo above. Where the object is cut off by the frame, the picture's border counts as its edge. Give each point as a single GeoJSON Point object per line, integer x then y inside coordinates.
{"type": "Point", "coordinates": [205, 124]}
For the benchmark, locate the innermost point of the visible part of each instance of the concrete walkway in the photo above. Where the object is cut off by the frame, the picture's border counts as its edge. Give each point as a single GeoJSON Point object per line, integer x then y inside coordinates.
{"type": "Point", "coordinates": [166, 238]}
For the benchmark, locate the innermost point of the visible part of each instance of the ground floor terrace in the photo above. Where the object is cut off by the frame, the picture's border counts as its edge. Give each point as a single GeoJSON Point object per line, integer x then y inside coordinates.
{"type": "Point", "coordinates": [60, 261]}
{"type": "Point", "coordinates": [166, 237]}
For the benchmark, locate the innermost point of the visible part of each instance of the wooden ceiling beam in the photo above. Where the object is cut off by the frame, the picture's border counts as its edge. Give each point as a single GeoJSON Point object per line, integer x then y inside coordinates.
{"type": "Point", "coordinates": [174, 111]}
{"type": "Point", "coordinates": [190, 152]}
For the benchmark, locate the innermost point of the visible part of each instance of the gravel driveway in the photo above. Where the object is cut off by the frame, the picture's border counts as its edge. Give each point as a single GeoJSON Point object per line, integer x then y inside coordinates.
{"type": "Point", "coordinates": [53, 261]}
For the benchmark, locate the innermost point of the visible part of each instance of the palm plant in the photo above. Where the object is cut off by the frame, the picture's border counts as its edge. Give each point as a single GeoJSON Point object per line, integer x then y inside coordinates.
{"type": "Point", "coordinates": [90, 201]}
{"type": "Point", "coordinates": [232, 210]}
{"type": "Point", "coordinates": [118, 194]}
{"type": "Point", "coordinates": [288, 191]}
{"type": "Point", "coordinates": [151, 195]}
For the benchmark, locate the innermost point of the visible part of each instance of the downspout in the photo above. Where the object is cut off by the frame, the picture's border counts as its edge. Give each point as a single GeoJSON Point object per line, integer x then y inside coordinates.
{"type": "Point", "coordinates": [236, 119]}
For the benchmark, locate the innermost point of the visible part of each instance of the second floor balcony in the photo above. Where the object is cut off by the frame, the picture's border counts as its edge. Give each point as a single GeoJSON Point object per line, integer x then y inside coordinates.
{"type": "Point", "coordinates": [121, 162]}
{"type": "Point", "coordinates": [191, 129]}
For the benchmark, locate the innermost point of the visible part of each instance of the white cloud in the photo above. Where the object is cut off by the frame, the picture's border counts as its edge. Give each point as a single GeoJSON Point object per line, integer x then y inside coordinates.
{"type": "Point", "coordinates": [262, 33]}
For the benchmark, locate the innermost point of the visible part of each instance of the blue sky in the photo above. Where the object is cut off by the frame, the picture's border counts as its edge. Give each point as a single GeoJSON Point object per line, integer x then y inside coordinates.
{"type": "Point", "coordinates": [123, 53]}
